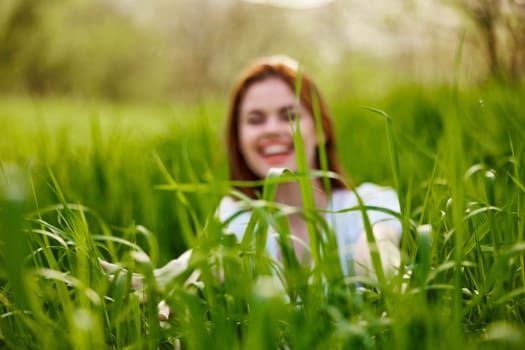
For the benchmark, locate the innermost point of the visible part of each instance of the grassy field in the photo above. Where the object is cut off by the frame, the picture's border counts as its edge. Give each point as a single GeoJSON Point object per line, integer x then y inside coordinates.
{"type": "Point", "coordinates": [139, 185]}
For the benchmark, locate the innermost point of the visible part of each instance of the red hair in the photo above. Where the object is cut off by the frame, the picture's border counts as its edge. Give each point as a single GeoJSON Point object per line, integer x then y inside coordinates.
{"type": "Point", "coordinates": [285, 69]}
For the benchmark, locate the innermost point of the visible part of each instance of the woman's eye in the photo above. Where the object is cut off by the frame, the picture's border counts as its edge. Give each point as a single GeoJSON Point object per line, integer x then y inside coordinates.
{"type": "Point", "coordinates": [289, 115]}
{"type": "Point", "coordinates": [255, 119]}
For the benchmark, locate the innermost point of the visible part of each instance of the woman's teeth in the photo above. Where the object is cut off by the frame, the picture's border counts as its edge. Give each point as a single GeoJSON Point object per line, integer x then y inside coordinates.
{"type": "Point", "coordinates": [274, 149]}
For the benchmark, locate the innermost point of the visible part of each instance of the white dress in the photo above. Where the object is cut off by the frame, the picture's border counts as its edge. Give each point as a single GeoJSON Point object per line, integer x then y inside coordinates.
{"type": "Point", "coordinates": [348, 225]}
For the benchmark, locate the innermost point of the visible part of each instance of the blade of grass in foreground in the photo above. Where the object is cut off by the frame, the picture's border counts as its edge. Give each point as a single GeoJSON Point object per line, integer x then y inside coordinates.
{"type": "Point", "coordinates": [519, 188]}
{"type": "Point", "coordinates": [455, 171]}
{"type": "Point", "coordinates": [305, 181]}
{"type": "Point", "coordinates": [13, 193]}
{"type": "Point", "coordinates": [396, 173]}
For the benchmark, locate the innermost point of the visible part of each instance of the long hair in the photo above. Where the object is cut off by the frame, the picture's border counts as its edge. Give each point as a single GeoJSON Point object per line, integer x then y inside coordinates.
{"type": "Point", "coordinates": [286, 69]}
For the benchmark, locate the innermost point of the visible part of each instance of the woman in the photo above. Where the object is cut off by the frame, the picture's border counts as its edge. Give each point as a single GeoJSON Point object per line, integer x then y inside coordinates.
{"type": "Point", "coordinates": [260, 137]}
{"type": "Point", "coordinates": [261, 119]}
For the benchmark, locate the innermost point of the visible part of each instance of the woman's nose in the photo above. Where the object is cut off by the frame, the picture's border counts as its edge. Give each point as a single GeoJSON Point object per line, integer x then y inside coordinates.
{"type": "Point", "coordinates": [275, 125]}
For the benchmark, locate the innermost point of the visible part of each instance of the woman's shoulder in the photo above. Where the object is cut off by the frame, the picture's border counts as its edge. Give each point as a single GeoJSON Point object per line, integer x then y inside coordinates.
{"type": "Point", "coordinates": [227, 202]}
{"type": "Point", "coordinates": [235, 214]}
{"type": "Point", "coordinates": [367, 191]}
{"type": "Point", "coordinates": [229, 207]}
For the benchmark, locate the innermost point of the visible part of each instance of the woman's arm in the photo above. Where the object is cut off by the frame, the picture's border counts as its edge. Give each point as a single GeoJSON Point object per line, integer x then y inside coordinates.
{"type": "Point", "coordinates": [387, 243]}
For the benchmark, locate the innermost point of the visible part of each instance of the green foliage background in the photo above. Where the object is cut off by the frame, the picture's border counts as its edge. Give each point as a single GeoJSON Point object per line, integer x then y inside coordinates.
{"type": "Point", "coordinates": [453, 146]}
{"type": "Point", "coordinates": [112, 148]}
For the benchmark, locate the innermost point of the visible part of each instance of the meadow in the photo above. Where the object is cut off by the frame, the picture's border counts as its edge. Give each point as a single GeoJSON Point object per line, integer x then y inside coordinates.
{"type": "Point", "coordinates": [139, 184]}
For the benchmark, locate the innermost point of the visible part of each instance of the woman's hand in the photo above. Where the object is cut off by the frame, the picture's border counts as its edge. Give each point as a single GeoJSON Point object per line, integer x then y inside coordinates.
{"type": "Point", "coordinates": [163, 276]}
{"type": "Point", "coordinates": [387, 243]}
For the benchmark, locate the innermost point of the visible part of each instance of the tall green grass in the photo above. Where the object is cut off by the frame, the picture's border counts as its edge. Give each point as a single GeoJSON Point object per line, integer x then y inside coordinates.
{"type": "Point", "coordinates": [79, 186]}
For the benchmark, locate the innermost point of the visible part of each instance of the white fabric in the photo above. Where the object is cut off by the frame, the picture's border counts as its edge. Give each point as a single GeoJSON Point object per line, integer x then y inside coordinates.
{"type": "Point", "coordinates": [348, 226]}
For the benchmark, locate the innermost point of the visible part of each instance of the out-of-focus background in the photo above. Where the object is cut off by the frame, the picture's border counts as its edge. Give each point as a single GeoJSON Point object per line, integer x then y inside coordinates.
{"type": "Point", "coordinates": [111, 119]}
{"type": "Point", "coordinates": [160, 50]}
{"type": "Point", "coordinates": [96, 94]}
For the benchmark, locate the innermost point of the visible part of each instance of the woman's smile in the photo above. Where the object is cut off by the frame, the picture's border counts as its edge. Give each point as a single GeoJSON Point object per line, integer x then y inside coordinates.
{"type": "Point", "coordinates": [276, 153]}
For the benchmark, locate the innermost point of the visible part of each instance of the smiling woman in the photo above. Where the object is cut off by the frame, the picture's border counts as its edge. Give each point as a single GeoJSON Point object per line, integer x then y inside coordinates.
{"type": "Point", "coordinates": [262, 103]}
{"type": "Point", "coordinates": [260, 137]}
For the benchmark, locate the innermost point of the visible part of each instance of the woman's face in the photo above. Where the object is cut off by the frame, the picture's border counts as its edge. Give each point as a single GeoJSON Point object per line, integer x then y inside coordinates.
{"type": "Point", "coordinates": [265, 134]}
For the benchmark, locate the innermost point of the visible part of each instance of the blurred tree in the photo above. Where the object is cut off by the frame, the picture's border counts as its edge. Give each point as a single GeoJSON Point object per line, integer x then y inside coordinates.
{"type": "Point", "coordinates": [501, 27]}
{"type": "Point", "coordinates": [24, 45]}
{"type": "Point", "coordinates": [190, 49]}
{"type": "Point", "coordinates": [212, 39]}
{"type": "Point", "coordinates": [107, 54]}
{"type": "Point", "coordinates": [77, 47]}
{"type": "Point", "coordinates": [128, 49]}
